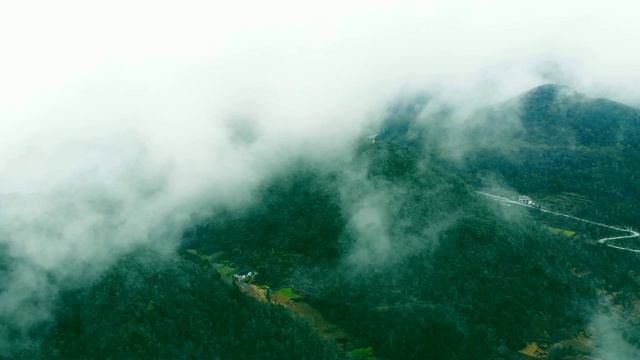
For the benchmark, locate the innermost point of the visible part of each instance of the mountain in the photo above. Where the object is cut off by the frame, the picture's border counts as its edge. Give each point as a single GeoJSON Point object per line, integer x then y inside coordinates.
{"type": "Point", "coordinates": [391, 253]}
{"type": "Point", "coordinates": [557, 115]}
{"type": "Point", "coordinates": [551, 142]}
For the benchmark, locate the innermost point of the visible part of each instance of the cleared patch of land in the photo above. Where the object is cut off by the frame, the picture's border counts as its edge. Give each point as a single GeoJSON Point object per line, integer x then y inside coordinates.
{"type": "Point", "coordinates": [225, 270]}
{"type": "Point", "coordinates": [535, 351]}
{"type": "Point", "coordinates": [288, 293]}
{"type": "Point", "coordinates": [565, 232]}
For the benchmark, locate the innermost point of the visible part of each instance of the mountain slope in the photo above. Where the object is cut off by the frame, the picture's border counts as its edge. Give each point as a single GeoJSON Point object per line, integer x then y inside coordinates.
{"type": "Point", "coordinates": [422, 267]}
{"type": "Point", "coordinates": [575, 144]}
{"type": "Point", "coordinates": [391, 247]}
{"type": "Point", "coordinates": [546, 142]}
{"type": "Point", "coordinates": [148, 306]}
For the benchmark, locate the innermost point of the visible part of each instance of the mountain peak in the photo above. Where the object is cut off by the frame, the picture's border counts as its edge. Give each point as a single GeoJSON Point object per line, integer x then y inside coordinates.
{"type": "Point", "coordinates": [549, 93]}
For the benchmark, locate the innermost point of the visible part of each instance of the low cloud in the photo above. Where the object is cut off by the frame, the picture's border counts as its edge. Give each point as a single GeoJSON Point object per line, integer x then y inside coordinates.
{"type": "Point", "coordinates": [122, 122]}
{"type": "Point", "coordinates": [609, 339]}
{"type": "Point", "coordinates": [370, 223]}
{"type": "Point", "coordinates": [387, 221]}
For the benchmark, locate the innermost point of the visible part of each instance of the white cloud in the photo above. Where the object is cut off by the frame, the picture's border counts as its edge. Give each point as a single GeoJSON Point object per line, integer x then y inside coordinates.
{"type": "Point", "coordinates": [371, 43]}
{"type": "Point", "coordinates": [134, 102]}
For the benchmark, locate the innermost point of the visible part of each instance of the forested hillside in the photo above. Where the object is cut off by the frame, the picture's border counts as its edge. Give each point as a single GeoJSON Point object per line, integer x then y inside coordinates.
{"type": "Point", "coordinates": [546, 142]}
{"type": "Point", "coordinates": [393, 247]}
{"type": "Point", "coordinates": [151, 307]}
{"type": "Point", "coordinates": [465, 280]}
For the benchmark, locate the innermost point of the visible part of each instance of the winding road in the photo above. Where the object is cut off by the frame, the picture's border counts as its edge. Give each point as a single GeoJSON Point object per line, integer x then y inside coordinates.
{"type": "Point", "coordinates": [632, 233]}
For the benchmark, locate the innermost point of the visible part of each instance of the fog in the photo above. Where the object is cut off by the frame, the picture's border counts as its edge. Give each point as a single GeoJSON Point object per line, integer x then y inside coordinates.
{"type": "Point", "coordinates": [121, 122]}
{"type": "Point", "coordinates": [609, 338]}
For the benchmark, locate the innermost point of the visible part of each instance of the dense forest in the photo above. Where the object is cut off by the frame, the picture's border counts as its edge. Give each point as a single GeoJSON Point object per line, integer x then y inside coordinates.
{"type": "Point", "coordinates": [479, 287]}
{"type": "Point", "coordinates": [149, 306]}
{"type": "Point", "coordinates": [546, 142]}
{"type": "Point", "coordinates": [394, 247]}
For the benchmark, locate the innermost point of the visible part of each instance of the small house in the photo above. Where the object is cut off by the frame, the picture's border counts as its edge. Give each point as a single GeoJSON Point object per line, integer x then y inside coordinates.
{"type": "Point", "coordinates": [525, 199]}
{"type": "Point", "coordinates": [244, 274]}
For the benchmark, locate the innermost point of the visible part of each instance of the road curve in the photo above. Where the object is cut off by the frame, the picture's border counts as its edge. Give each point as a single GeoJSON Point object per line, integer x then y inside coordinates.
{"type": "Point", "coordinates": [632, 233]}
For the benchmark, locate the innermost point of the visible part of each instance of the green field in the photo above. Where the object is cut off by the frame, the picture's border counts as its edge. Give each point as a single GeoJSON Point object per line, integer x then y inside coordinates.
{"type": "Point", "coordinates": [561, 231]}
{"type": "Point", "coordinates": [225, 270]}
{"type": "Point", "coordinates": [288, 293]}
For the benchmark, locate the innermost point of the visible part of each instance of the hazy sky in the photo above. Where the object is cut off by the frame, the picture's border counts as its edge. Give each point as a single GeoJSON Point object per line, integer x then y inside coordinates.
{"type": "Point", "coordinates": [175, 73]}
{"type": "Point", "coordinates": [275, 45]}
{"type": "Point", "coordinates": [151, 107]}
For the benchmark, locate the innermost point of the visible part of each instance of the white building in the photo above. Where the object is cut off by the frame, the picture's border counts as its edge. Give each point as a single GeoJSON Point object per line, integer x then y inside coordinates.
{"type": "Point", "coordinates": [525, 199]}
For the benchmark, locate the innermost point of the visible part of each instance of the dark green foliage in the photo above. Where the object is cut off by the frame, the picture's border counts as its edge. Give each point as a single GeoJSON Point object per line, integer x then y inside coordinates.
{"type": "Point", "coordinates": [362, 354]}
{"type": "Point", "coordinates": [548, 141]}
{"type": "Point", "coordinates": [463, 277]}
{"type": "Point", "coordinates": [389, 161]}
{"type": "Point", "coordinates": [574, 144]}
{"type": "Point", "coordinates": [401, 126]}
{"type": "Point", "coordinates": [556, 115]}
{"type": "Point", "coordinates": [148, 307]}
{"type": "Point", "coordinates": [479, 289]}
{"type": "Point", "coordinates": [485, 291]}
{"type": "Point", "coordinates": [298, 212]}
